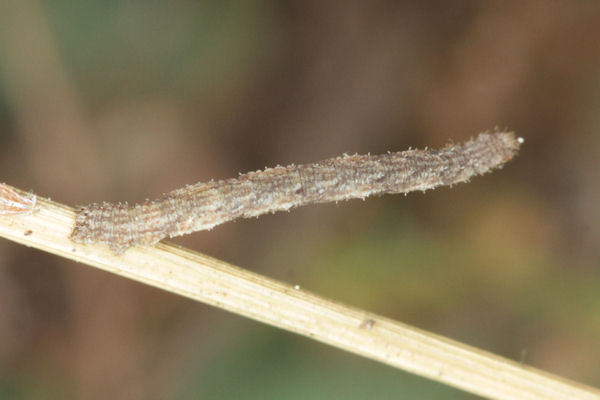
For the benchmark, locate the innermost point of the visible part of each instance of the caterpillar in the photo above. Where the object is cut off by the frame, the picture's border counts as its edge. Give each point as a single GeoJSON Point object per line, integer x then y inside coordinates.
{"type": "Point", "coordinates": [204, 205]}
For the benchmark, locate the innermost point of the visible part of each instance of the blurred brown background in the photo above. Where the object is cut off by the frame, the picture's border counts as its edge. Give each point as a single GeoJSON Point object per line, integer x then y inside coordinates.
{"type": "Point", "coordinates": [123, 100]}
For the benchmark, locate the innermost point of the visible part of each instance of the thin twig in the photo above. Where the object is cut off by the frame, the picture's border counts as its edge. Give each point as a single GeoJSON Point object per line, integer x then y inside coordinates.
{"type": "Point", "coordinates": [218, 283]}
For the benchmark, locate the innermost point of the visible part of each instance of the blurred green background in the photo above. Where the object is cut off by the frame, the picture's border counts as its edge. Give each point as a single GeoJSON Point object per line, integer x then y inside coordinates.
{"type": "Point", "coordinates": [123, 100]}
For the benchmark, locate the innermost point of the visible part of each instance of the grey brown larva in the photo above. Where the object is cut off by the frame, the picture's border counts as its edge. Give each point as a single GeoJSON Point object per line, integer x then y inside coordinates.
{"type": "Point", "coordinates": [204, 205]}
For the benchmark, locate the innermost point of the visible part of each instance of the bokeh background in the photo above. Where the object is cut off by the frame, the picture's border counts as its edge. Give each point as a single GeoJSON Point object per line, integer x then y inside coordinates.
{"type": "Point", "coordinates": [124, 100]}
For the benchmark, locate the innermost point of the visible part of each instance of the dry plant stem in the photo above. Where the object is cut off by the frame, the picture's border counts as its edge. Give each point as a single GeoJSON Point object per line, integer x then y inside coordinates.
{"type": "Point", "coordinates": [220, 284]}
{"type": "Point", "coordinates": [204, 205]}
{"type": "Point", "coordinates": [11, 202]}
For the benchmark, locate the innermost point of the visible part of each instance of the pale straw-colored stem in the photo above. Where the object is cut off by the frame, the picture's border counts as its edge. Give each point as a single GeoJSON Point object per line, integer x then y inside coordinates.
{"type": "Point", "coordinates": [218, 283]}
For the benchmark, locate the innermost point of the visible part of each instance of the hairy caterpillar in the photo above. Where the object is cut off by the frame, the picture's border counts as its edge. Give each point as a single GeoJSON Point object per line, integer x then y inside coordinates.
{"type": "Point", "coordinates": [204, 205]}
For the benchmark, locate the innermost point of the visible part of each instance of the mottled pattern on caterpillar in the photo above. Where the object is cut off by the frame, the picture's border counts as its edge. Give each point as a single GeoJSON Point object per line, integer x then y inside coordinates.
{"type": "Point", "coordinates": [204, 205]}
